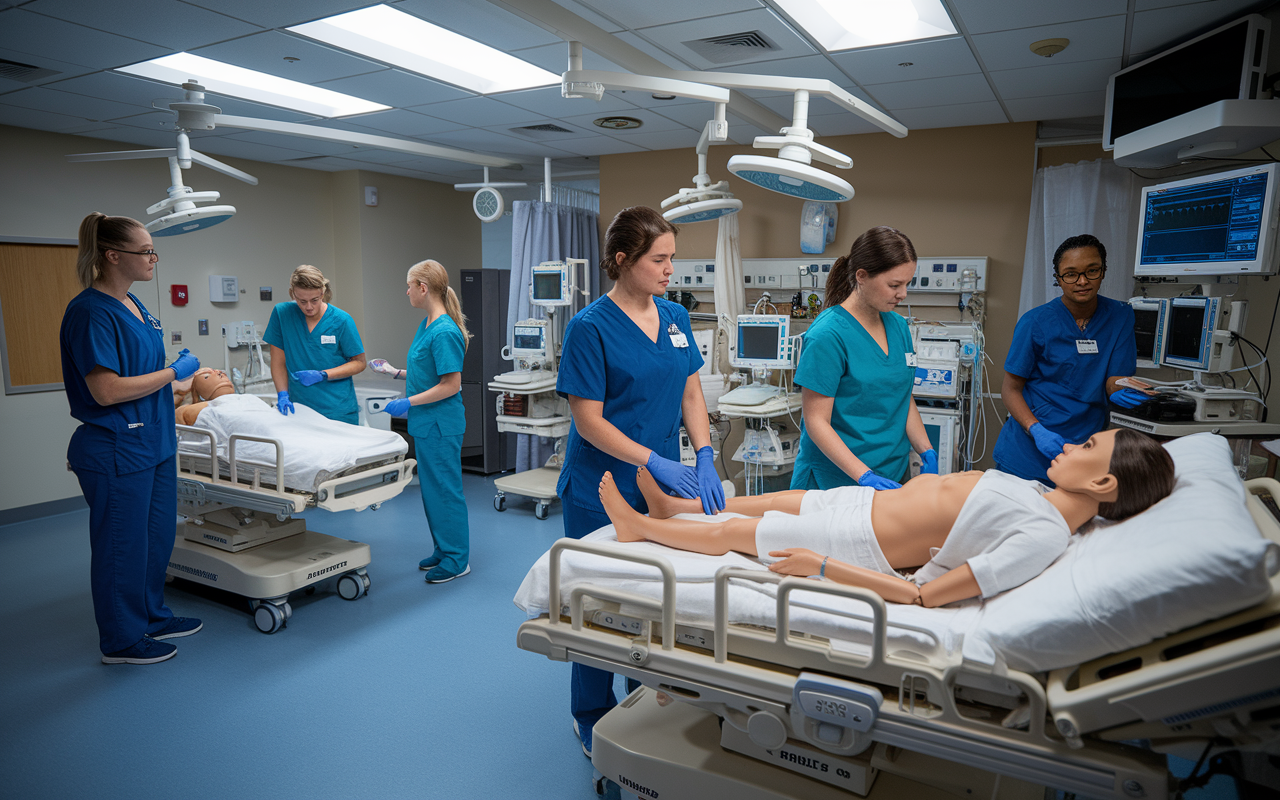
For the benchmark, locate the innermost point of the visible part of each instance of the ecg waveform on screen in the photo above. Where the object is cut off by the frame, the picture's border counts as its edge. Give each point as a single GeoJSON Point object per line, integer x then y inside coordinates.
{"type": "Point", "coordinates": [1184, 217]}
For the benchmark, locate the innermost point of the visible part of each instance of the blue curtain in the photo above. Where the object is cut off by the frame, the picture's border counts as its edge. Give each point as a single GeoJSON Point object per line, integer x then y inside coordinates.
{"type": "Point", "coordinates": [548, 232]}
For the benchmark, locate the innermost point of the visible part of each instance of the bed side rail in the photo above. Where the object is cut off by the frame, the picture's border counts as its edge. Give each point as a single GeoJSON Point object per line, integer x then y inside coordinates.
{"type": "Point", "coordinates": [358, 491]}
{"type": "Point", "coordinates": [666, 608]}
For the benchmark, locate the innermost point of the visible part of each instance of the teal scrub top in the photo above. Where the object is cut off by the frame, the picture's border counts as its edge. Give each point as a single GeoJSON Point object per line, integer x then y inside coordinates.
{"type": "Point", "coordinates": [333, 342]}
{"type": "Point", "coordinates": [437, 350]}
{"type": "Point", "coordinates": [872, 391]}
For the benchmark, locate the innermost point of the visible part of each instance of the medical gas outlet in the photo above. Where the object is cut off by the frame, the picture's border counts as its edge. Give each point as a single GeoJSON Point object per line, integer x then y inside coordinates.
{"type": "Point", "coordinates": [949, 275]}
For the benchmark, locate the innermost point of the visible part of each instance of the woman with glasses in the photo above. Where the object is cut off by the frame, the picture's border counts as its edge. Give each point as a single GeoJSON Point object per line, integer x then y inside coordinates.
{"type": "Point", "coordinates": [123, 454]}
{"type": "Point", "coordinates": [1064, 362]}
{"type": "Point", "coordinates": [315, 350]}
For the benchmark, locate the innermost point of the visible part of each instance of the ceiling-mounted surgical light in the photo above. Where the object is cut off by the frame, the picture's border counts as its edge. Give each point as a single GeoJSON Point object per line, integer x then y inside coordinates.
{"type": "Point", "coordinates": [791, 173]}
{"type": "Point", "coordinates": [705, 201]}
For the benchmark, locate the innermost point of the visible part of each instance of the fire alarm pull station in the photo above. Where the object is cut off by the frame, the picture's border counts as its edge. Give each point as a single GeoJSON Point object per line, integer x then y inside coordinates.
{"type": "Point", "coordinates": [178, 294]}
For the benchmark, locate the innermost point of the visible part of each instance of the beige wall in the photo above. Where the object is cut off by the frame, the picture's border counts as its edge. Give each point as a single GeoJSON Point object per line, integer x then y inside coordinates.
{"type": "Point", "coordinates": [293, 216]}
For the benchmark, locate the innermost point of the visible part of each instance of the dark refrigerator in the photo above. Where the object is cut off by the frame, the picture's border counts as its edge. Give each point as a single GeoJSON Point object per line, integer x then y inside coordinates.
{"type": "Point", "coordinates": [484, 294]}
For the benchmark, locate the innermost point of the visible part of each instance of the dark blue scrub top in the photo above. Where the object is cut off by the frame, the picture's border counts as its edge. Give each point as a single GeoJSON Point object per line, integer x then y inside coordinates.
{"type": "Point", "coordinates": [99, 331]}
{"type": "Point", "coordinates": [607, 358]}
{"type": "Point", "coordinates": [1065, 389]}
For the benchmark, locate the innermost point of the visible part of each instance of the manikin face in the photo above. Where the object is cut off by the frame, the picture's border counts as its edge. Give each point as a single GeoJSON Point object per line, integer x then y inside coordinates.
{"type": "Point", "coordinates": [309, 302]}
{"type": "Point", "coordinates": [131, 265]}
{"type": "Point", "coordinates": [1078, 262]}
{"type": "Point", "coordinates": [652, 271]}
{"type": "Point", "coordinates": [885, 291]}
{"type": "Point", "coordinates": [1079, 465]}
{"type": "Point", "coordinates": [208, 380]}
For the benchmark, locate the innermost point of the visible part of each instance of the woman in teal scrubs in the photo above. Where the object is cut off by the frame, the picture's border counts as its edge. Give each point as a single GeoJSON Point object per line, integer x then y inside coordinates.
{"type": "Point", "coordinates": [123, 454]}
{"type": "Point", "coordinates": [315, 349]}
{"type": "Point", "coordinates": [857, 368]}
{"type": "Point", "coordinates": [436, 418]}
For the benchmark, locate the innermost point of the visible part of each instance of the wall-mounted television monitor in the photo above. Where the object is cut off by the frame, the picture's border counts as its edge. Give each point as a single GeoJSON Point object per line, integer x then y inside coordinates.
{"type": "Point", "coordinates": [1219, 224]}
{"type": "Point", "coordinates": [1188, 332]}
{"type": "Point", "coordinates": [1148, 329]}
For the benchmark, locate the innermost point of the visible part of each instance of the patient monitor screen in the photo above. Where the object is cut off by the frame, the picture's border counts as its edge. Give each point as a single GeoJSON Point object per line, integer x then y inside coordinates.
{"type": "Point", "coordinates": [546, 286]}
{"type": "Point", "coordinates": [528, 338]}
{"type": "Point", "coordinates": [1145, 325]}
{"type": "Point", "coordinates": [1213, 221]}
{"type": "Point", "coordinates": [1187, 330]}
{"type": "Point", "coordinates": [758, 341]}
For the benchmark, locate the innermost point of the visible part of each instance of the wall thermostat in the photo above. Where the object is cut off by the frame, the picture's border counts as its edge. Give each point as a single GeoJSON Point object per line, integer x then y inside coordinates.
{"type": "Point", "coordinates": [224, 288]}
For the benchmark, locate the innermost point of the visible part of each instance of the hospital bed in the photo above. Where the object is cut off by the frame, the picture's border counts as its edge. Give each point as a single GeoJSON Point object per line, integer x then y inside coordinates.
{"type": "Point", "coordinates": [238, 492]}
{"type": "Point", "coordinates": [1081, 680]}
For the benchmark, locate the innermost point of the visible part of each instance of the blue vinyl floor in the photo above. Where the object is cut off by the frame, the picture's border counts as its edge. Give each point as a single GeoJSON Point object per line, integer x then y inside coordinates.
{"type": "Point", "coordinates": [414, 691]}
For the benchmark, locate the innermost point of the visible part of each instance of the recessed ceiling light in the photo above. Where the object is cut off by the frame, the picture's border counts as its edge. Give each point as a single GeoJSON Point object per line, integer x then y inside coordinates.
{"type": "Point", "coordinates": [847, 24]}
{"type": "Point", "coordinates": [405, 41]}
{"type": "Point", "coordinates": [233, 81]}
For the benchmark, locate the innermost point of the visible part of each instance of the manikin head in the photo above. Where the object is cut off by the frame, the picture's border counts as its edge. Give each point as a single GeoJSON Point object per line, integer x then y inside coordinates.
{"type": "Point", "coordinates": [1127, 471]}
{"type": "Point", "coordinates": [209, 383]}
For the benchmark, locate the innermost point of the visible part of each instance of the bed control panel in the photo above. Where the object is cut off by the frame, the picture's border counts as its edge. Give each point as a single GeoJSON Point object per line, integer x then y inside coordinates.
{"type": "Point", "coordinates": [834, 714]}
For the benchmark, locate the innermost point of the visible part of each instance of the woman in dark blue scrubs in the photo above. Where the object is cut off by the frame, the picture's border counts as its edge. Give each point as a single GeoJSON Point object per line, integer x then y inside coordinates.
{"type": "Point", "coordinates": [629, 369]}
{"type": "Point", "coordinates": [123, 455]}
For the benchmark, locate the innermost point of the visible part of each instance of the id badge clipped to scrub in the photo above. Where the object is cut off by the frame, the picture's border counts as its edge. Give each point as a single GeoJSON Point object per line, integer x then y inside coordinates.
{"type": "Point", "coordinates": [1086, 346]}
{"type": "Point", "coordinates": [678, 339]}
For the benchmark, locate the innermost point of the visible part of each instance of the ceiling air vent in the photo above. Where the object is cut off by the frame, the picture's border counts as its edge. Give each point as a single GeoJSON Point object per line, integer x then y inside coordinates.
{"type": "Point", "coordinates": [24, 73]}
{"type": "Point", "coordinates": [733, 47]}
{"type": "Point", "coordinates": [546, 130]}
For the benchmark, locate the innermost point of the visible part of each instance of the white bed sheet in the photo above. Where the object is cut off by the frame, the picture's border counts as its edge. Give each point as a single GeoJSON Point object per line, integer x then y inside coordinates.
{"type": "Point", "coordinates": [315, 448]}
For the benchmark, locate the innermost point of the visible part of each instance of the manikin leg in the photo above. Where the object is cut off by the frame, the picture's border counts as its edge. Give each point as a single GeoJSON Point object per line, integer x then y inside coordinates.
{"type": "Point", "coordinates": [715, 538]}
{"type": "Point", "coordinates": [663, 505]}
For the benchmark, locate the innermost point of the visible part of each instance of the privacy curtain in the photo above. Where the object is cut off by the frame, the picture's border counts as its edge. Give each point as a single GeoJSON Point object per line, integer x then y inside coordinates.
{"type": "Point", "coordinates": [728, 290]}
{"type": "Point", "coordinates": [548, 232]}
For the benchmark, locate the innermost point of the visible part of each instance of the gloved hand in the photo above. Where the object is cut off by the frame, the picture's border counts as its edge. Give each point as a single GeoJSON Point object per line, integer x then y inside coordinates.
{"type": "Point", "coordinates": [1048, 443]}
{"type": "Point", "coordinates": [398, 407]}
{"type": "Point", "coordinates": [673, 475]}
{"type": "Point", "coordinates": [709, 488]}
{"type": "Point", "coordinates": [185, 365]}
{"type": "Point", "coordinates": [1129, 398]}
{"type": "Point", "coordinates": [929, 462]}
{"type": "Point", "coordinates": [283, 404]}
{"type": "Point", "coordinates": [873, 480]}
{"type": "Point", "coordinates": [381, 365]}
{"type": "Point", "coordinates": [310, 377]}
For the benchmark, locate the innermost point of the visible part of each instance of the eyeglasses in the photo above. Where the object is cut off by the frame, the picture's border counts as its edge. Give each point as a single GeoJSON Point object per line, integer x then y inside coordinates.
{"type": "Point", "coordinates": [147, 253]}
{"type": "Point", "coordinates": [1092, 273]}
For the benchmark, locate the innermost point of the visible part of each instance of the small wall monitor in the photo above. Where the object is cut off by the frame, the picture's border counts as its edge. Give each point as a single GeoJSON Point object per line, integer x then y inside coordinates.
{"type": "Point", "coordinates": [529, 341]}
{"type": "Point", "coordinates": [1188, 332]}
{"type": "Point", "coordinates": [550, 284]}
{"type": "Point", "coordinates": [764, 342]}
{"type": "Point", "coordinates": [1148, 329]}
{"type": "Point", "coordinates": [1220, 224]}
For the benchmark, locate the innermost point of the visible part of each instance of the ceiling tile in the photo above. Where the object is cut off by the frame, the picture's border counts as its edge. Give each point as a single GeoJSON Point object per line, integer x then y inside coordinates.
{"type": "Point", "coordinates": [21, 117]}
{"type": "Point", "coordinates": [1055, 79]}
{"type": "Point", "coordinates": [547, 101]}
{"type": "Point", "coordinates": [488, 142]}
{"type": "Point", "coordinates": [26, 32]}
{"type": "Point", "coordinates": [599, 146]}
{"type": "Point", "coordinates": [575, 132]}
{"type": "Point", "coordinates": [814, 66]}
{"type": "Point", "coordinates": [1083, 104]}
{"type": "Point", "coordinates": [397, 122]}
{"type": "Point", "coordinates": [672, 37]}
{"type": "Point", "coordinates": [933, 91]}
{"type": "Point", "coordinates": [956, 116]}
{"type": "Point", "coordinates": [166, 23]}
{"type": "Point", "coordinates": [280, 13]}
{"type": "Point", "coordinates": [61, 69]}
{"type": "Point", "coordinates": [482, 22]}
{"type": "Point", "coordinates": [666, 140]}
{"type": "Point", "coordinates": [671, 60]}
{"type": "Point", "coordinates": [662, 12]}
{"type": "Point", "coordinates": [984, 16]}
{"type": "Point", "coordinates": [1159, 30]}
{"type": "Point", "coordinates": [44, 99]}
{"type": "Point", "coordinates": [1090, 40]}
{"type": "Point", "coordinates": [266, 52]}
{"type": "Point", "coordinates": [587, 13]}
{"type": "Point", "coordinates": [481, 112]}
{"type": "Point", "coordinates": [934, 58]}
{"type": "Point", "coordinates": [393, 87]}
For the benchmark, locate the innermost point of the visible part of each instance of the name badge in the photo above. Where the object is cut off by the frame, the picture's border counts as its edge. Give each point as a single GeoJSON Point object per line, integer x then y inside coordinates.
{"type": "Point", "coordinates": [334, 340]}
{"type": "Point", "coordinates": [678, 338]}
{"type": "Point", "coordinates": [911, 359]}
{"type": "Point", "coordinates": [1084, 346]}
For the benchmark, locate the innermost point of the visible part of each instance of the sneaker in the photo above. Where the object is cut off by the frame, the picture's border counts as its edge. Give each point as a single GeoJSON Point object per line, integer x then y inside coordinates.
{"type": "Point", "coordinates": [147, 651]}
{"type": "Point", "coordinates": [177, 627]}
{"type": "Point", "coordinates": [439, 574]}
{"type": "Point", "coordinates": [585, 741]}
{"type": "Point", "coordinates": [429, 562]}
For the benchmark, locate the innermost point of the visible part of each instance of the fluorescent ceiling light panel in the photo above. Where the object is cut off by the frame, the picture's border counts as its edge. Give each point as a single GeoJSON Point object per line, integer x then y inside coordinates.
{"type": "Point", "coordinates": [413, 44]}
{"type": "Point", "coordinates": [248, 84]}
{"type": "Point", "coordinates": [848, 24]}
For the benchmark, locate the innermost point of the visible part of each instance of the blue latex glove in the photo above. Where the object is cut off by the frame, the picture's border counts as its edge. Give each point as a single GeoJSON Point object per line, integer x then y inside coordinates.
{"type": "Point", "coordinates": [1129, 398]}
{"type": "Point", "coordinates": [283, 404]}
{"type": "Point", "coordinates": [1048, 443]}
{"type": "Point", "coordinates": [398, 407]}
{"type": "Point", "coordinates": [929, 462]}
{"type": "Point", "coordinates": [873, 480]}
{"type": "Point", "coordinates": [310, 377]}
{"type": "Point", "coordinates": [709, 488]}
{"type": "Point", "coordinates": [673, 475]}
{"type": "Point", "coordinates": [185, 365]}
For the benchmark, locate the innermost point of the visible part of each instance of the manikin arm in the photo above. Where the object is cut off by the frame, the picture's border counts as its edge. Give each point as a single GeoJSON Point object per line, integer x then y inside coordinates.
{"type": "Point", "coordinates": [958, 584]}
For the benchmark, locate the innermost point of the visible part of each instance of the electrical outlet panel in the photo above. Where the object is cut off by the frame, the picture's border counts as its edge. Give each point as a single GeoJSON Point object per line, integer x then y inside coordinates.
{"type": "Point", "coordinates": [949, 275]}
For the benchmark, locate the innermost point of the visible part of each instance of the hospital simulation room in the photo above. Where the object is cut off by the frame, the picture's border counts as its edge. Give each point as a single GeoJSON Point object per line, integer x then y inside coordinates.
{"type": "Point", "coordinates": [401, 573]}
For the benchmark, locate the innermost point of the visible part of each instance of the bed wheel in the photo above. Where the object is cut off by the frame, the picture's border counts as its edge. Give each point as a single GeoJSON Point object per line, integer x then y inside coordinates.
{"type": "Point", "coordinates": [351, 587]}
{"type": "Point", "coordinates": [541, 510]}
{"type": "Point", "coordinates": [500, 502]}
{"type": "Point", "coordinates": [269, 618]}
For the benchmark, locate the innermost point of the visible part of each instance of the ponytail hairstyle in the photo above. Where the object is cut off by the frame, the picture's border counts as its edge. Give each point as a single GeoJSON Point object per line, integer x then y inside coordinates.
{"type": "Point", "coordinates": [98, 234]}
{"type": "Point", "coordinates": [632, 232]}
{"type": "Point", "coordinates": [431, 274]}
{"type": "Point", "coordinates": [1144, 471]}
{"type": "Point", "coordinates": [878, 250]}
{"type": "Point", "coordinates": [308, 277]}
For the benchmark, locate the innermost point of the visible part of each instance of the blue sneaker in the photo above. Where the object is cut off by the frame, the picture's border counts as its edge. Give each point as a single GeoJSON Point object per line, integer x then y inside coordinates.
{"type": "Point", "coordinates": [147, 651]}
{"type": "Point", "coordinates": [177, 627]}
{"type": "Point", "coordinates": [583, 739]}
{"type": "Point", "coordinates": [439, 574]}
{"type": "Point", "coordinates": [429, 562]}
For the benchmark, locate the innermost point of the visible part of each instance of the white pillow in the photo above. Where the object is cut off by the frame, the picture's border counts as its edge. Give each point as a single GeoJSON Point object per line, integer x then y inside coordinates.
{"type": "Point", "coordinates": [1194, 556]}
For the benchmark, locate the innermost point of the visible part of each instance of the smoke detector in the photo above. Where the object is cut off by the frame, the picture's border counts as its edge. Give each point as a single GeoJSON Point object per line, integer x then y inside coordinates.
{"type": "Point", "coordinates": [1049, 47]}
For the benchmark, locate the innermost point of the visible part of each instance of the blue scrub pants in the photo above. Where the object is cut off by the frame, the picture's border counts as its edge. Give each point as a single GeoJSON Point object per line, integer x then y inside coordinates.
{"type": "Point", "coordinates": [590, 689]}
{"type": "Point", "coordinates": [132, 522]}
{"type": "Point", "coordinates": [440, 479]}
